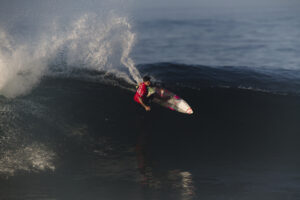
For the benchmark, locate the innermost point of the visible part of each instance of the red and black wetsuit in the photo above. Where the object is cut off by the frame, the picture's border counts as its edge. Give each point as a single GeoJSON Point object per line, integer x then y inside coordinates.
{"type": "Point", "coordinates": [141, 92]}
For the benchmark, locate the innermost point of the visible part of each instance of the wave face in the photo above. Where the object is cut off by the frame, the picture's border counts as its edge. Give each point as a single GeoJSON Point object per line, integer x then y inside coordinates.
{"type": "Point", "coordinates": [85, 128]}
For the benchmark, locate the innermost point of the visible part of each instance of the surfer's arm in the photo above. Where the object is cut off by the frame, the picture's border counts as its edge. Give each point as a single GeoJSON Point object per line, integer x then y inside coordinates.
{"type": "Point", "coordinates": [144, 105]}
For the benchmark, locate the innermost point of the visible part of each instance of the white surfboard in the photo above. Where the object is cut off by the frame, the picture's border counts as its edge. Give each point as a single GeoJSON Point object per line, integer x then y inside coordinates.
{"type": "Point", "coordinates": [170, 100]}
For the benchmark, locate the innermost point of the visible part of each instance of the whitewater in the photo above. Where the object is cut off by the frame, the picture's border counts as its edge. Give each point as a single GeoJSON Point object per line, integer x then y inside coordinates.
{"type": "Point", "coordinates": [89, 42]}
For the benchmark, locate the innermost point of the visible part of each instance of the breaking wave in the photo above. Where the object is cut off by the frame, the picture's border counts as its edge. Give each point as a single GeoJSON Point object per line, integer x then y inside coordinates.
{"type": "Point", "coordinates": [90, 42]}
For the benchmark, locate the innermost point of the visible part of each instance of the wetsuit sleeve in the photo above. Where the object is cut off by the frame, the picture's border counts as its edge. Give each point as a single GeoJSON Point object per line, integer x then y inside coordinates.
{"type": "Point", "coordinates": [141, 91]}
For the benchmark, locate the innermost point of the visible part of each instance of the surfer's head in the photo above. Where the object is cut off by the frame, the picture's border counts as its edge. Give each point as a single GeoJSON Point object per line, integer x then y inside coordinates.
{"type": "Point", "coordinates": [146, 80]}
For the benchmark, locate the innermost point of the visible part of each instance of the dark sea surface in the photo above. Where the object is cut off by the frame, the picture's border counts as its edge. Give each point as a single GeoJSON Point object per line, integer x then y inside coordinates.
{"type": "Point", "coordinates": [78, 134]}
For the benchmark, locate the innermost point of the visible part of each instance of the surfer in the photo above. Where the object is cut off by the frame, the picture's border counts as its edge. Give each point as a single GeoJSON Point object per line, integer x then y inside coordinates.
{"type": "Point", "coordinates": [146, 93]}
{"type": "Point", "coordinates": [142, 94]}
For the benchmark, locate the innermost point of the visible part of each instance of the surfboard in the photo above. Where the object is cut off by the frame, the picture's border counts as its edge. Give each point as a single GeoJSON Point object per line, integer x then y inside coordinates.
{"type": "Point", "coordinates": [169, 100]}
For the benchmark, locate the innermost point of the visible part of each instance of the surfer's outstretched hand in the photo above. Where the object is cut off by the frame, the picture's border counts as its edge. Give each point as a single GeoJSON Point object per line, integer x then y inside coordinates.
{"type": "Point", "coordinates": [147, 108]}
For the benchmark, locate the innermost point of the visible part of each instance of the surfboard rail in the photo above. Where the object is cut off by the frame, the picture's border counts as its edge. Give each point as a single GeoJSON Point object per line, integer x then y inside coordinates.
{"type": "Point", "coordinates": [171, 101]}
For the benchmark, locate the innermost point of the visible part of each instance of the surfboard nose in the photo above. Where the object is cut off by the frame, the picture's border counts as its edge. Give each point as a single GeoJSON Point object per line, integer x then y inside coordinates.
{"type": "Point", "coordinates": [189, 111]}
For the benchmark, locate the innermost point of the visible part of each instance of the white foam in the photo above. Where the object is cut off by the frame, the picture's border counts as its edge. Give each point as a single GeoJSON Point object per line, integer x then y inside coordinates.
{"type": "Point", "coordinates": [90, 42]}
{"type": "Point", "coordinates": [31, 158]}
{"type": "Point", "coordinates": [18, 150]}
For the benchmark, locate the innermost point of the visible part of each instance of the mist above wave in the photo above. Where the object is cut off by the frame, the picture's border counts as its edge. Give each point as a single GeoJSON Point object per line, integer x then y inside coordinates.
{"type": "Point", "coordinates": [91, 41]}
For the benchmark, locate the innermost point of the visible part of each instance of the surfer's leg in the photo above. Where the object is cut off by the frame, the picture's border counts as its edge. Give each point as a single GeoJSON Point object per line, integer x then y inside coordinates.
{"type": "Point", "coordinates": [152, 96]}
{"type": "Point", "coordinates": [146, 101]}
{"type": "Point", "coordinates": [150, 99]}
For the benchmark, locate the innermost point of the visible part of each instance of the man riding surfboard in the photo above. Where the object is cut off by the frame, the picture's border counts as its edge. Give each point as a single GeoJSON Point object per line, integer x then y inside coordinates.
{"type": "Point", "coordinates": [142, 94]}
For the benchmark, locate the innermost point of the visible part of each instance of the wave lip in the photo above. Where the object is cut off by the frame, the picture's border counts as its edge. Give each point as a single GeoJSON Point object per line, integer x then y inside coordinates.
{"type": "Point", "coordinates": [281, 81]}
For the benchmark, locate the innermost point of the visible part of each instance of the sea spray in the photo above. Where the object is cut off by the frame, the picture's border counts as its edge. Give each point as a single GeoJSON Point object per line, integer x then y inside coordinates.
{"type": "Point", "coordinates": [21, 66]}
{"type": "Point", "coordinates": [103, 46]}
{"type": "Point", "coordinates": [89, 42]}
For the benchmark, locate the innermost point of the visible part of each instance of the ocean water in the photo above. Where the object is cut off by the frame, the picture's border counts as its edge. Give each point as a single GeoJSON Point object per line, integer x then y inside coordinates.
{"type": "Point", "coordinates": [69, 128]}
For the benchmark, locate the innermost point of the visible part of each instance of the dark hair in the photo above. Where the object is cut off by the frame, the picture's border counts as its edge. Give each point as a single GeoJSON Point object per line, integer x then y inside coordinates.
{"type": "Point", "coordinates": [146, 78]}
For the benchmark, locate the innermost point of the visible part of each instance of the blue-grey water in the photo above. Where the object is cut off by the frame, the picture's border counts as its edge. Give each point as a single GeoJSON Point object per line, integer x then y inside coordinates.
{"type": "Point", "coordinates": [254, 39]}
{"type": "Point", "coordinates": [69, 128]}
